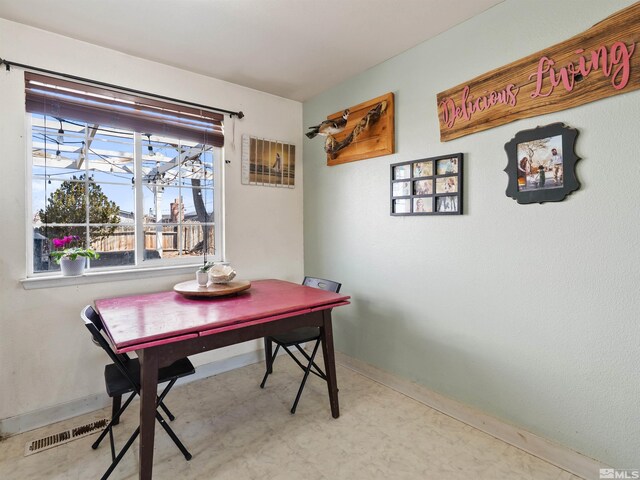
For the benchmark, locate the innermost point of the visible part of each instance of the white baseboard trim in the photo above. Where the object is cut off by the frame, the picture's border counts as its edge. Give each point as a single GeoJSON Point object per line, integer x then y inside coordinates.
{"type": "Point", "coordinates": [46, 416]}
{"type": "Point", "coordinates": [558, 455]}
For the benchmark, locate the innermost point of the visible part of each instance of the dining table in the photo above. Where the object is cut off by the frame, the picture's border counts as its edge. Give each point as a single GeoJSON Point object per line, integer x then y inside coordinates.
{"type": "Point", "coordinates": [165, 326]}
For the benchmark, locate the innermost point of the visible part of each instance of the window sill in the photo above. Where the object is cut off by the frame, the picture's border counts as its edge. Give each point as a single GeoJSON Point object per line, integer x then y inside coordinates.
{"type": "Point", "coordinates": [50, 281]}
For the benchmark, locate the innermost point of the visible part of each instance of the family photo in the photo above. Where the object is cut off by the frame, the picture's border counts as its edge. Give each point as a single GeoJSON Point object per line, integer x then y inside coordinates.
{"type": "Point", "coordinates": [400, 189]}
{"type": "Point", "coordinates": [448, 165]}
{"type": "Point", "coordinates": [447, 185]}
{"type": "Point", "coordinates": [401, 172]}
{"type": "Point", "coordinates": [540, 164]}
{"type": "Point", "coordinates": [422, 205]}
{"type": "Point", "coordinates": [423, 187]}
{"type": "Point", "coordinates": [423, 169]}
{"type": "Point", "coordinates": [448, 204]}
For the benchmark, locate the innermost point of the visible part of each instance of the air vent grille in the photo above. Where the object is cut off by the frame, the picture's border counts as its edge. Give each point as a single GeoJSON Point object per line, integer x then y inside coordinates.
{"type": "Point", "coordinates": [61, 438]}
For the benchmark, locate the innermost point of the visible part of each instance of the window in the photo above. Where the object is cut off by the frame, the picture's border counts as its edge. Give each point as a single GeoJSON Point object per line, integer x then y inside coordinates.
{"type": "Point", "coordinates": [138, 198]}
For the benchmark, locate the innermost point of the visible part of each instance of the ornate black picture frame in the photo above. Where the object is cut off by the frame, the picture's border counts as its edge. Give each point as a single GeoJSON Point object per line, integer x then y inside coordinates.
{"type": "Point", "coordinates": [542, 164]}
{"type": "Point", "coordinates": [428, 186]}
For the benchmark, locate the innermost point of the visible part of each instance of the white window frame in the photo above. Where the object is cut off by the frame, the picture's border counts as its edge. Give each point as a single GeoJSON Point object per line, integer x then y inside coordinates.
{"type": "Point", "coordinates": [147, 268]}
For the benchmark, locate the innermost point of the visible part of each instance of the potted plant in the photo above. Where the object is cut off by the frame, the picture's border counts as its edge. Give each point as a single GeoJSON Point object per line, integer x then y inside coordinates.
{"type": "Point", "coordinates": [202, 274]}
{"type": "Point", "coordinates": [72, 259]}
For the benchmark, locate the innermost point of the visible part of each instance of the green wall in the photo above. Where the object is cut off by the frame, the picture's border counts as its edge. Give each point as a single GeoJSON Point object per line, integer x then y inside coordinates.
{"type": "Point", "coordinates": [526, 312]}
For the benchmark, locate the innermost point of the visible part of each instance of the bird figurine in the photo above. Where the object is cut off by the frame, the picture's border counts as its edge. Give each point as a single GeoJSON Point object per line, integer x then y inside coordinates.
{"type": "Point", "coordinates": [329, 127]}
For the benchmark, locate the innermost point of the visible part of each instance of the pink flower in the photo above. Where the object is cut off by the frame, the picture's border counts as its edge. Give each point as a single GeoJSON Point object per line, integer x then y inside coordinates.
{"type": "Point", "coordinates": [64, 241]}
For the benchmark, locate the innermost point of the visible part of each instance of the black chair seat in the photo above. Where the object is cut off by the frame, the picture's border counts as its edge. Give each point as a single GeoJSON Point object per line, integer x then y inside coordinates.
{"type": "Point", "coordinates": [118, 384]}
{"type": "Point", "coordinates": [299, 335]}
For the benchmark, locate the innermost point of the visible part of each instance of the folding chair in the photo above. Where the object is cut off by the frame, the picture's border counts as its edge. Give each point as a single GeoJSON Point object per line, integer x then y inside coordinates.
{"type": "Point", "coordinates": [123, 377]}
{"type": "Point", "coordinates": [295, 338]}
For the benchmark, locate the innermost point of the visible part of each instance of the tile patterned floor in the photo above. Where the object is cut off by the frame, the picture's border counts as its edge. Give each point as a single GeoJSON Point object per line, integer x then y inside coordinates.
{"type": "Point", "coordinates": [237, 431]}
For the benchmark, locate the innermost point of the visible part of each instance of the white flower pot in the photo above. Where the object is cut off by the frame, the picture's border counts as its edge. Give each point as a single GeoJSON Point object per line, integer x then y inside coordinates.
{"type": "Point", "coordinates": [72, 268]}
{"type": "Point", "coordinates": [202, 278]}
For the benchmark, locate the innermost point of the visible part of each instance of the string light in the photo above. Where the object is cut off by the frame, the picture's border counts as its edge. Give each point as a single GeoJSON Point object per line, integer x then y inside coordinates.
{"type": "Point", "coordinates": [82, 155]}
{"type": "Point", "coordinates": [60, 138]}
{"type": "Point", "coordinates": [149, 147]}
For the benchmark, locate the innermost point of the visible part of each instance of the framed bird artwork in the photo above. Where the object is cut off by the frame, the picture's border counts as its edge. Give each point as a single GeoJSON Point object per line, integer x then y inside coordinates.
{"type": "Point", "coordinates": [363, 131]}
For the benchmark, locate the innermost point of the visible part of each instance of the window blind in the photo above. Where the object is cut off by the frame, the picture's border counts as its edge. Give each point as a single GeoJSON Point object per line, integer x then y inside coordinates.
{"type": "Point", "coordinates": [97, 105]}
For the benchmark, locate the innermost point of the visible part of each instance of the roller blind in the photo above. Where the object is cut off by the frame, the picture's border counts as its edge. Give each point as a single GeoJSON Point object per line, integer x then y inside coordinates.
{"type": "Point", "coordinates": [97, 105]}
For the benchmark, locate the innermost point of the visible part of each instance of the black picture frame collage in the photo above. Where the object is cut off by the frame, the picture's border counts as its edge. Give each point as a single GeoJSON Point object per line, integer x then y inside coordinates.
{"type": "Point", "coordinates": [428, 186]}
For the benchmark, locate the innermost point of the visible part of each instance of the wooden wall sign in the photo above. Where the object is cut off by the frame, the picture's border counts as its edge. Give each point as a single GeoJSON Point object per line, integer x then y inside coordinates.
{"type": "Point", "coordinates": [376, 139]}
{"type": "Point", "coordinates": [601, 62]}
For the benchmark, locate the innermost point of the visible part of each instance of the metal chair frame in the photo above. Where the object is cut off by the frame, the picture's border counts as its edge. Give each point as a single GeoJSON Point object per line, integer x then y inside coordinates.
{"type": "Point", "coordinates": [293, 340]}
{"type": "Point", "coordinates": [93, 322]}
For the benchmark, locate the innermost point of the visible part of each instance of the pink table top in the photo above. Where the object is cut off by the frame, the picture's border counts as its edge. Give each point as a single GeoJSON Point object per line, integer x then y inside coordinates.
{"type": "Point", "coordinates": [156, 318]}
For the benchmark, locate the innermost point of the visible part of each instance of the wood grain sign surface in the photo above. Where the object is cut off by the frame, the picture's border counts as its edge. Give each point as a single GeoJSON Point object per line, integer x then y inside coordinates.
{"type": "Point", "coordinates": [601, 62]}
{"type": "Point", "coordinates": [376, 141]}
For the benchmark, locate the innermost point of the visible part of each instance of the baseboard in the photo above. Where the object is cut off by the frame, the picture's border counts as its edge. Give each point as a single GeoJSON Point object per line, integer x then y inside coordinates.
{"type": "Point", "coordinates": [558, 455]}
{"type": "Point", "coordinates": [46, 416]}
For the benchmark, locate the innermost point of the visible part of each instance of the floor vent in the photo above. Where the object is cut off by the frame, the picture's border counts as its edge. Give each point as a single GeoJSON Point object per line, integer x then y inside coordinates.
{"type": "Point", "coordinates": [67, 436]}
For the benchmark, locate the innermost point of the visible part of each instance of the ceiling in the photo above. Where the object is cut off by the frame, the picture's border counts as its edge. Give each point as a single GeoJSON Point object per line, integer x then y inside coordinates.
{"type": "Point", "coordinates": [291, 48]}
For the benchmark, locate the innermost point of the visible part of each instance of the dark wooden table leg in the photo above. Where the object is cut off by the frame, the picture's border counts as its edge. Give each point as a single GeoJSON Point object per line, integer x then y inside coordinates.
{"type": "Point", "coordinates": [268, 353]}
{"type": "Point", "coordinates": [326, 332]}
{"type": "Point", "coordinates": [148, 395]}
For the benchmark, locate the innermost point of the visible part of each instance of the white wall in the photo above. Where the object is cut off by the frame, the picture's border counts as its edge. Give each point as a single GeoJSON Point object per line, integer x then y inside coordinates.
{"type": "Point", "coordinates": [527, 312]}
{"type": "Point", "coordinates": [46, 357]}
